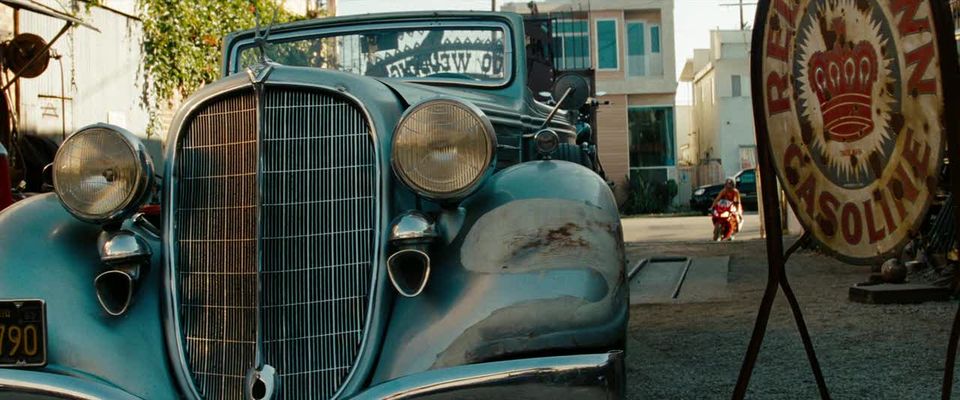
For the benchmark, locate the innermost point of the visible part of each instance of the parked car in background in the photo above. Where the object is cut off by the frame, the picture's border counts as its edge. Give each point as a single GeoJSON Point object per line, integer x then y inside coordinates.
{"type": "Point", "coordinates": [366, 207]}
{"type": "Point", "coordinates": [746, 181]}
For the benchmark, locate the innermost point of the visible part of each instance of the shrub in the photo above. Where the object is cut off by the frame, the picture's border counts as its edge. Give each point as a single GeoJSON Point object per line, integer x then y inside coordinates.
{"type": "Point", "coordinates": [648, 197]}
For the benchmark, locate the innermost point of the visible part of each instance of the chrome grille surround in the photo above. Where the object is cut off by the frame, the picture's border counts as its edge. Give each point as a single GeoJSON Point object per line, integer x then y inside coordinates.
{"type": "Point", "coordinates": [314, 158]}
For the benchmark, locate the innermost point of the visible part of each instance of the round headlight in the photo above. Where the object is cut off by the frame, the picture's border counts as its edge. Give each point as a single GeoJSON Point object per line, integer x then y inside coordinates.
{"type": "Point", "coordinates": [102, 173]}
{"type": "Point", "coordinates": [443, 148]}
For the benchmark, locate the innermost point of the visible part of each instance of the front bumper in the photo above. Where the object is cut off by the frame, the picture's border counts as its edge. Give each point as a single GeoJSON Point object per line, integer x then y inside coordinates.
{"type": "Point", "coordinates": [38, 385]}
{"type": "Point", "coordinates": [593, 376]}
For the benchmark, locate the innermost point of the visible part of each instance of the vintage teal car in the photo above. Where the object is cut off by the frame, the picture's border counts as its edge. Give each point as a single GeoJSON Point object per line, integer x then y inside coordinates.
{"type": "Point", "coordinates": [363, 207]}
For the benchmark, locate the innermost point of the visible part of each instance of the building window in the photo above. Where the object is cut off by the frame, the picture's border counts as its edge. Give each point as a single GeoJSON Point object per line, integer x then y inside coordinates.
{"type": "Point", "coordinates": [651, 137]}
{"type": "Point", "coordinates": [571, 43]}
{"type": "Point", "coordinates": [636, 49]}
{"type": "Point", "coordinates": [607, 57]}
{"type": "Point", "coordinates": [748, 157]}
{"type": "Point", "coordinates": [735, 86]}
{"type": "Point", "coordinates": [655, 39]}
{"type": "Point", "coordinates": [640, 37]}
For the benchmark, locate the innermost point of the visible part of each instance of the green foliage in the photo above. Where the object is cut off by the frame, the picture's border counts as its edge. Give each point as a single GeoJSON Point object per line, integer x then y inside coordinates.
{"type": "Point", "coordinates": [648, 197]}
{"type": "Point", "coordinates": [182, 40]}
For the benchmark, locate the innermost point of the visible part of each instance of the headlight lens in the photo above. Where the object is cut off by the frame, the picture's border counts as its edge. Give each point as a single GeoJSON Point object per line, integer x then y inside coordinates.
{"type": "Point", "coordinates": [699, 192]}
{"type": "Point", "coordinates": [102, 173]}
{"type": "Point", "coordinates": [443, 148]}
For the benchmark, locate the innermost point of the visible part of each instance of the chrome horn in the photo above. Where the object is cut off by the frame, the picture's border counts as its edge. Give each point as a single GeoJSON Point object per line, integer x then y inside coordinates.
{"type": "Point", "coordinates": [411, 234]}
{"type": "Point", "coordinates": [127, 258]}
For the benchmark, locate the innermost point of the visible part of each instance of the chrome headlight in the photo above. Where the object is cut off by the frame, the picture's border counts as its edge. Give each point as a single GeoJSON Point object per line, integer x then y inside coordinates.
{"type": "Point", "coordinates": [443, 148]}
{"type": "Point", "coordinates": [102, 173]}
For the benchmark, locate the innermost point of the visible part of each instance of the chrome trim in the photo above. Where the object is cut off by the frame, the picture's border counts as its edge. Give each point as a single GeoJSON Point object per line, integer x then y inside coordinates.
{"type": "Point", "coordinates": [259, 90]}
{"type": "Point", "coordinates": [130, 278]}
{"type": "Point", "coordinates": [258, 73]}
{"type": "Point", "coordinates": [122, 247]}
{"type": "Point", "coordinates": [57, 386]}
{"type": "Point", "coordinates": [127, 257]}
{"type": "Point", "coordinates": [172, 315]}
{"type": "Point", "coordinates": [547, 142]}
{"type": "Point", "coordinates": [136, 197]}
{"type": "Point", "coordinates": [424, 258]}
{"type": "Point", "coordinates": [524, 378]}
{"type": "Point", "coordinates": [140, 220]}
{"type": "Point", "coordinates": [412, 226]}
{"type": "Point", "coordinates": [477, 180]}
{"type": "Point", "coordinates": [508, 51]}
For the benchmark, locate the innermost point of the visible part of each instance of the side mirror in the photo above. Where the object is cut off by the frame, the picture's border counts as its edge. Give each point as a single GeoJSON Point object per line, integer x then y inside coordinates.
{"type": "Point", "coordinates": [577, 97]}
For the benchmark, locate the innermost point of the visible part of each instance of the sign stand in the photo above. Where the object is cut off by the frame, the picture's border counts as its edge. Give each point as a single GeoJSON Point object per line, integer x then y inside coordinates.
{"type": "Point", "coordinates": [789, 37]}
{"type": "Point", "coordinates": [776, 259]}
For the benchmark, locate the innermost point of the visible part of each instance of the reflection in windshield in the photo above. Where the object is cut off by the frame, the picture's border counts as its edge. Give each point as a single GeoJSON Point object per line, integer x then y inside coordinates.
{"type": "Point", "coordinates": [468, 54]}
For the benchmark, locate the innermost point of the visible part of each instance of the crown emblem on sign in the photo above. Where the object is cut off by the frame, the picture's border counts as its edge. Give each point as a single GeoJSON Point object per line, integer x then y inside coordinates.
{"type": "Point", "coordinates": [843, 80]}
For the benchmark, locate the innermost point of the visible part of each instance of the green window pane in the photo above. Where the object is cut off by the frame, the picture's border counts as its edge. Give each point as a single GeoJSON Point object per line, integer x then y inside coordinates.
{"type": "Point", "coordinates": [651, 137]}
{"type": "Point", "coordinates": [635, 39]}
{"type": "Point", "coordinates": [607, 45]}
{"type": "Point", "coordinates": [557, 47]}
{"type": "Point", "coordinates": [565, 27]}
{"type": "Point", "coordinates": [654, 39]}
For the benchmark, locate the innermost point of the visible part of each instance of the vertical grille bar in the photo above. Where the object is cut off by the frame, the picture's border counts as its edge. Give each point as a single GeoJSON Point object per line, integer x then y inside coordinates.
{"type": "Point", "coordinates": [317, 203]}
{"type": "Point", "coordinates": [216, 239]}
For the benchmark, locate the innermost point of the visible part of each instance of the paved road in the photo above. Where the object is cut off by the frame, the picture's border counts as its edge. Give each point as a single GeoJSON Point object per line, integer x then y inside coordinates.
{"type": "Point", "coordinates": [682, 229]}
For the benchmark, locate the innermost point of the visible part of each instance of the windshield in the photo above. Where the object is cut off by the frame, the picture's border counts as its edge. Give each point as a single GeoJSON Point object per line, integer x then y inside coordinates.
{"type": "Point", "coordinates": [461, 54]}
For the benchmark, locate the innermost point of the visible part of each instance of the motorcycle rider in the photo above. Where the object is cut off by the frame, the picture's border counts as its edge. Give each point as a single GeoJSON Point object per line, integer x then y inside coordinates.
{"type": "Point", "coordinates": [731, 194]}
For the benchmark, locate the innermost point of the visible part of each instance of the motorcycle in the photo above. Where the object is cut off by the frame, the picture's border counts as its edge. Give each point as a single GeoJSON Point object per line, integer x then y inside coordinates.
{"type": "Point", "coordinates": [725, 220]}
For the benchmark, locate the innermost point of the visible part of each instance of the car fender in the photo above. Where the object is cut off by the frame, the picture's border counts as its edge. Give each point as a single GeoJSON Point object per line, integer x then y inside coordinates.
{"type": "Point", "coordinates": [47, 254]}
{"type": "Point", "coordinates": [532, 263]}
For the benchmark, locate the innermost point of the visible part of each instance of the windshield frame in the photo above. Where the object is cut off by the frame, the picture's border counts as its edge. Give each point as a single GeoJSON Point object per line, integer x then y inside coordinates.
{"type": "Point", "coordinates": [237, 46]}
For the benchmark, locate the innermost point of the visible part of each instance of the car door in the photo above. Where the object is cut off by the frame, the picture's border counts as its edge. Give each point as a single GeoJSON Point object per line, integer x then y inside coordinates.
{"type": "Point", "coordinates": [747, 185]}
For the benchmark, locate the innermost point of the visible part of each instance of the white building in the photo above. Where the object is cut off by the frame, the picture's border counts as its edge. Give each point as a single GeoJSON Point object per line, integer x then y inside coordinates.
{"type": "Point", "coordinates": [721, 140]}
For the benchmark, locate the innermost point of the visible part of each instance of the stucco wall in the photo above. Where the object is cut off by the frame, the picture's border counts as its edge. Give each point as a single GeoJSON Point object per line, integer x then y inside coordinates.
{"type": "Point", "coordinates": [613, 142]}
{"type": "Point", "coordinates": [735, 117]}
{"type": "Point", "coordinates": [723, 123]}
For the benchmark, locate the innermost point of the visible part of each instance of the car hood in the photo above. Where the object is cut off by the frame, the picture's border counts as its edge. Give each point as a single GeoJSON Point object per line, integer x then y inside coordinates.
{"type": "Point", "coordinates": [504, 108]}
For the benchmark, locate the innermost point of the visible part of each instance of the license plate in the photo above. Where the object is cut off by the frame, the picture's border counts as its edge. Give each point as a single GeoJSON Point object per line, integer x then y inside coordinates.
{"type": "Point", "coordinates": [23, 333]}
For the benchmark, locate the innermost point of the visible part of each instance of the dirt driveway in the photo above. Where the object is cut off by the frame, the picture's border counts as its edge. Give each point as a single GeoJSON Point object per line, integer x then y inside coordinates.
{"type": "Point", "coordinates": [694, 350]}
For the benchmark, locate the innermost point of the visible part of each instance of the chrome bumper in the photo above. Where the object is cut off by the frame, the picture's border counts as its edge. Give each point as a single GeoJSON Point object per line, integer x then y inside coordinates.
{"type": "Point", "coordinates": [594, 376]}
{"type": "Point", "coordinates": [15, 383]}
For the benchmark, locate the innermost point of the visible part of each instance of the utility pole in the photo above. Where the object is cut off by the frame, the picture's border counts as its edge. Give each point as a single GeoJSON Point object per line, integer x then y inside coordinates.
{"type": "Point", "coordinates": [493, 5]}
{"type": "Point", "coordinates": [741, 4]}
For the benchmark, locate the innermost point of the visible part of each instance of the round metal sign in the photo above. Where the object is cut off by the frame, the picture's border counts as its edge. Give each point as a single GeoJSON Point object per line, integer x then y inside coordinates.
{"type": "Point", "coordinates": [852, 100]}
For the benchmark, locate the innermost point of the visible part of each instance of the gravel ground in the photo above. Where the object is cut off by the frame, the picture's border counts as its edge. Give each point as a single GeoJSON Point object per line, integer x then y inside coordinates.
{"type": "Point", "coordinates": [694, 351]}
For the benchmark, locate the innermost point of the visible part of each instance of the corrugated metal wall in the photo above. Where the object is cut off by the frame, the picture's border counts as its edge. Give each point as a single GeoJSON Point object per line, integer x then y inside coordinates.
{"type": "Point", "coordinates": [103, 80]}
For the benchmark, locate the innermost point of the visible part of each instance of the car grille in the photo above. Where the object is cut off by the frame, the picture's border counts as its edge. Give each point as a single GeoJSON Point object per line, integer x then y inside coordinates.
{"type": "Point", "coordinates": [286, 204]}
